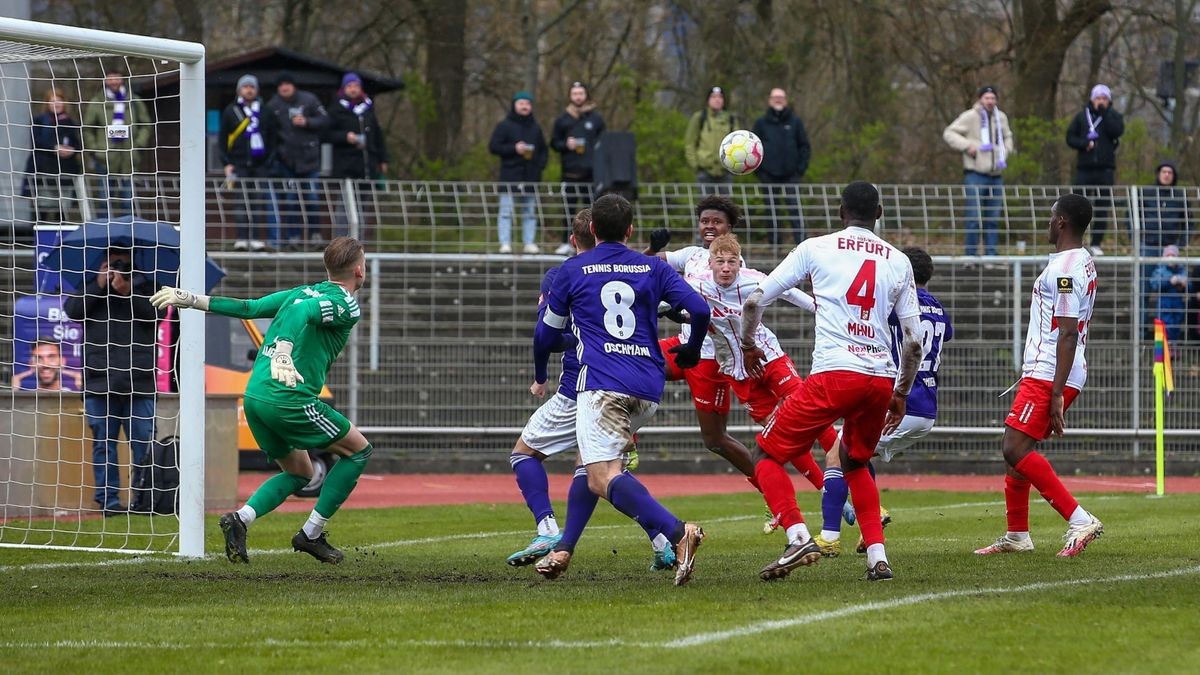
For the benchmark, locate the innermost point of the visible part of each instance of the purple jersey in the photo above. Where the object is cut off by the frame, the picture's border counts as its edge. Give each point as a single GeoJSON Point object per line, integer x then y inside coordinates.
{"type": "Point", "coordinates": [570, 363]}
{"type": "Point", "coordinates": [611, 295]}
{"type": "Point", "coordinates": [935, 331]}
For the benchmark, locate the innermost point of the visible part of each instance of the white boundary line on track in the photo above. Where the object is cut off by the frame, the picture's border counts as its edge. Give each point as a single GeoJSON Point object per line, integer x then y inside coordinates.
{"type": "Point", "coordinates": [696, 640]}
{"type": "Point", "coordinates": [145, 558]}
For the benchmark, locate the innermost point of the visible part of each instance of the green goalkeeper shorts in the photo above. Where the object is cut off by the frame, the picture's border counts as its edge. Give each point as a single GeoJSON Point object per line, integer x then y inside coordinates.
{"type": "Point", "coordinates": [279, 431]}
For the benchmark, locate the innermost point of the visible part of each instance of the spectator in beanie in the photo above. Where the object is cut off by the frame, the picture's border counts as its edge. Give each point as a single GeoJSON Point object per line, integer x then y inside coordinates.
{"type": "Point", "coordinates": [574, 137]}
{"type": "Point", "coordinates": [1164, 212]}
{"type": "Point", "coordinates": [115, 125]}
{"type": "Point", "coordinates": [985, 140]}
{"type": "Point", "coordinates": [301, 121]}
{"type": "Point", "coordinates": [1096, 133]}
{"type": "Point", "coordinates": [786, 153]}
{"type": "Point", "coordinates": [1168, 290]}
{"type": "Point", "coordinates": [519, 143]}
{"type": "Point", "coordinates": [702, 143]}
{"type": "Point", "coordinates": [248, 138]}
{"type": "Point", "coordinates": [359, 150]}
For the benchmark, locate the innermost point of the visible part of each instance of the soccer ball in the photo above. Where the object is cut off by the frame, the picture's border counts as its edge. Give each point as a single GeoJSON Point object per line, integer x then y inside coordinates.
{"type": "Point", "coordinates": [741, 152]}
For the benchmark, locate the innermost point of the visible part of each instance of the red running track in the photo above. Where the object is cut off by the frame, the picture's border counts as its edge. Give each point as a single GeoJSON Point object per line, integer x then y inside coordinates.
{"type": "Point", "coordinates": [380, 491]}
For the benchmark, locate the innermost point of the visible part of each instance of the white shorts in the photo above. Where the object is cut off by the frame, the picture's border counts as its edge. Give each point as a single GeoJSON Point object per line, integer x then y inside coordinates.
{"type": "Point", "coordinates": [551, 428]}
{"type": "Point", "coordinates": [605, 423]}
{"type": "Point", "coordinates": [911, 430]}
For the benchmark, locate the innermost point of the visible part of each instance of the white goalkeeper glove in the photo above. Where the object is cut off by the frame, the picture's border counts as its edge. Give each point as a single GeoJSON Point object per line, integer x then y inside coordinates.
{"type": "Point", "coordinates": [283, 370]}
{"type": "Point", "coordinates": [178, 297]}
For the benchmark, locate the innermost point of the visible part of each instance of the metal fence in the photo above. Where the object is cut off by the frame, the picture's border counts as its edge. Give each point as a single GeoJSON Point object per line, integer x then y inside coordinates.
{"type": "Point", "coordinates": [442, 359]}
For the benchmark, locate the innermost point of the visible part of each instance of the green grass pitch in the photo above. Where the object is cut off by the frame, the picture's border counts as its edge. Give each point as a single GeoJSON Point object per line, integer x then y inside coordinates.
{"type": "Point", "coordinates": [426, 589]}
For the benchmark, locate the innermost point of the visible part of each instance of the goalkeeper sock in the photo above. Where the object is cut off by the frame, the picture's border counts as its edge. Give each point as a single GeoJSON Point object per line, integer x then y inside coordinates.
{"type": "Point", "coordinates": [272, 493]}
{"type": "Point", "coordinates": [833, 501]}
{"type": "Point", "coordinates": [315, 525]}
{"type": "Point", "coordinates": [341, 481]}
{"type": "Point", "coordinates": [535, 488]}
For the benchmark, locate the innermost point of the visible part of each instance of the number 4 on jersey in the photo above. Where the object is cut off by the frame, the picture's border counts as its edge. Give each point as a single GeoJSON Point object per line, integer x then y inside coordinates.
{"type": "Point", "coordinates": [862, 290]}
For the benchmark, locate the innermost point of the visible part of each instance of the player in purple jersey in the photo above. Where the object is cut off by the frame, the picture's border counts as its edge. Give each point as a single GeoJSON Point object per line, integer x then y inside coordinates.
{"type": "Point", "coordinates": [920, 414]}
{"type": "Point", "coordinates": [611, 295]}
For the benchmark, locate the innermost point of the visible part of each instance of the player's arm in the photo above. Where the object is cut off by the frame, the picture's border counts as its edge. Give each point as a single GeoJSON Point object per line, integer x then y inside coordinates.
{"type": "Point", "coordinates": [549, 331]}
{"type": "Point", "coordinates": [659, 239]}
{"type": "Point", "coordinates": [1070, 293]}
{"type": "Point", "coordinates": [682, 296]}
{"type": "Point", "coordinates": [784, 278]}
{"type": "Point", "coordinates": [908, 314]}
{"type": "Point", "coordinates": [800, 299]}
{"type": "Point", "coordinates": [259, 308]}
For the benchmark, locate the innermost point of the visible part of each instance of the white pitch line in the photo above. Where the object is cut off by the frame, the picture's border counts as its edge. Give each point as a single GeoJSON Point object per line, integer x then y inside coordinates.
{"type": "Point", "coordinates": [765, 626]}
{"type": "Point", "coordinates": [699, 639]}
{"type": "Point", "coordinates": [449, 538]}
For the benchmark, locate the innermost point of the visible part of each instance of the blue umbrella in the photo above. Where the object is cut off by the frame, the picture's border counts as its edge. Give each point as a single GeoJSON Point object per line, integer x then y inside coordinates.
{"type": "Point", "coordinates": [155, 249]}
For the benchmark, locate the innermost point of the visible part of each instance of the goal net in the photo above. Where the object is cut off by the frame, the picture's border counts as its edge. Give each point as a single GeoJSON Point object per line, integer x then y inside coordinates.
{"type": "Point", "coordinates": [101, 203]}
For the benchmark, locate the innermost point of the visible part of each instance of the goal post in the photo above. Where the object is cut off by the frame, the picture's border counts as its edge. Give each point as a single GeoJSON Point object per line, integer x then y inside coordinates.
{"type": "Point", "coordinates": [171, 196]}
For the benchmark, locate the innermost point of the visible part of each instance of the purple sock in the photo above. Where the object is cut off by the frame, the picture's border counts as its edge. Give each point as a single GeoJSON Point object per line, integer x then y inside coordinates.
{"type": "Point", "coordinates": [535, 486]}
{"type": "Point", "coordinates": [836, 492]}
{"type": "Point", "coordinates": [650, 531]}
{"type": "Point", "coordinates": [581, 502]}
{"type": "Point", "coordinates": [630, 497]}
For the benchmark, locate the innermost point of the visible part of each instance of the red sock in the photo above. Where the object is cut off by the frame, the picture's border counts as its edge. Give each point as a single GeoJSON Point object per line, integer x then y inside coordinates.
{"type": "Point", "coordinates": [778, 491]}
{"type": "Point", "coordinates": [1037, 469]}
{"type": "Point", "coordinates": [808, 467]}
{"type": "Point", "coordinates": [1016, 503]}
{"type": "Point", "coordinates": [753, 482]}
{"type": "Point", "coordinates": [865, 495]}
{"type": "Point", "coordinates": [828, 438]}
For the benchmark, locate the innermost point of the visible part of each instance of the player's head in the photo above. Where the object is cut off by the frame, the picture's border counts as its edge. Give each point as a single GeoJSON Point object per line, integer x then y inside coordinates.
{"type": "Point", "coordinates": [716, 215]}
{"type": "Point", "coordinates": [860, 204]}
{"type": "Point", "coordinates": [725, 258]}
{"type": "Point", "coordinates": [581, 231]}
{"type": "Point", "coordinates": [346, 262]}
{"type": "Point", "coordinates": [612, 218]}
{"type": "Point", "coordinates": [922, 264]}
{"type": "Point", "coordinates": [47, 361]}
{"type": "Point", "coordinates": [1070, 215]}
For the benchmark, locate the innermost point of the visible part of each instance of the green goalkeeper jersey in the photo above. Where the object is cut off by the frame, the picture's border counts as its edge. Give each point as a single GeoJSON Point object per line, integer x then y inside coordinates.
{"type": "Point", "coordinates": [316, 319]}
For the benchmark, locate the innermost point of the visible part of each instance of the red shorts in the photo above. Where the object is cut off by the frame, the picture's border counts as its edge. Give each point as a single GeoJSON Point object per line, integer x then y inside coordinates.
{"type": "Point", "coordinates": [861, 400]}
{"type": "Point", "coordinates": [760, 395]}
{"type": "Point", "coordinates": [1030, 413]}
{"type": "Point", "coordinates": [710, 389]}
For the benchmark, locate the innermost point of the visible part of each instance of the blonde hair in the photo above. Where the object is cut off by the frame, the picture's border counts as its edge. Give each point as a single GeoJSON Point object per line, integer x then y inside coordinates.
{"type": "Point", "coordinates": [726, 243]}
{"type": "Point", "coordinates": [581, 227]}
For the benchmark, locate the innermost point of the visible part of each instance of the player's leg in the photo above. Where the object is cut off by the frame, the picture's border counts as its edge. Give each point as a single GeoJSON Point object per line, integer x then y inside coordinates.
{"type": "Point", "coordinates": [710, 396]}
{"type": "Point", "coordinates": [778, 381]}
{"type": "Point", "coordinates": [866, 400]}
{"type": "Point", "coordinates": [549, 431]}
{"type": "Point", "coordinates": [353, 451]}
{"type": "Point", "coordinates": [911, 430]}
{"type": "Point", "coordinates": [791, 430]}
{"type": "Point", "coordinates": [835, 504]}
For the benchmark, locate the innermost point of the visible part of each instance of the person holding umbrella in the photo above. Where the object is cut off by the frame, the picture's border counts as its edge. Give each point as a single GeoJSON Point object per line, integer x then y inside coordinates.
{"type": "Point", "coordinates": [118, 368]}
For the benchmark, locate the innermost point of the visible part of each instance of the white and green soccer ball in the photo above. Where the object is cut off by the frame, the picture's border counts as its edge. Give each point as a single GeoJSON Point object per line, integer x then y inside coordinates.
{"type": "Point", "coordinates": [741, 152]}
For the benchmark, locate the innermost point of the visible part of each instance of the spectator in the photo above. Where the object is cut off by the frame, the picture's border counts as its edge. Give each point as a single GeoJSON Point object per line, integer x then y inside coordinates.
{"type": "Point", "coordinates": [1168, 291]}
{"type": "Point", "coordinates": [119, 327]}
{"type": "Point", "coordinates": [114, 127]}
{"type": "Point", "coordinates": [1164, 212]}
{"type": "Point", "coordinates": [359, 151]}
{"type": "Point", "coordinates": [249, 140]}
{"type": "Point", "coordinates": [519, 143]}
{"type": "Point", "coordinates": [301, 121]}
{"type": "Point", "coordinates": [786, 154]}
{"type": "Point", "coordinates": [985, 140]}
{"type": "Point", "coordinates": [55, 160]}
{"type": "Point", "coordinates": [574, 137]}
{"type": "Point", "coordinates": [46, 372]}
{"type": "Point", "coordinates": [702, 144]}
{"type": "Point", "coordinates": [1096, 133]}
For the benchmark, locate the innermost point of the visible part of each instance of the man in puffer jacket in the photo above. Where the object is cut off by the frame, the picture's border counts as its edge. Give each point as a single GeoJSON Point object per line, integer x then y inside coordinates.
{"type": "Point", "coordinates": [985, 140]}
{"type": "Point", "coordinates": [521, 146]}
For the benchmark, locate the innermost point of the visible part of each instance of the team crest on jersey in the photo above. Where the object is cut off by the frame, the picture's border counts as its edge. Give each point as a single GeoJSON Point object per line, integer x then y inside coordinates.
{"type": "Point", "coordinates": [1065, 285]}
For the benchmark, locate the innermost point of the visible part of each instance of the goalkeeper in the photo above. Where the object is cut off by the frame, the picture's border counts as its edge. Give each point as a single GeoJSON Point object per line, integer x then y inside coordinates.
{"type": "Point", "coordinates": [310, 327]}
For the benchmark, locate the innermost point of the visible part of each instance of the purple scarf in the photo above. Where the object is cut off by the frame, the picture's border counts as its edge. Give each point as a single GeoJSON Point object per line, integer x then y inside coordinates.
{"type": "Point", "coordinates": [359, 108]}
{"type": "Point", "coordinates": [257, 148]}
{"type": "Point", "coordinates": [118, 99]}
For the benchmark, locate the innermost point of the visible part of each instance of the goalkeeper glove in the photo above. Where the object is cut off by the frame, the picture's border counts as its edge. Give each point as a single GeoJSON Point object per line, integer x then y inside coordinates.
{"type": "Point", "coordinates": [178, 297]}
{"type": "Point", "coordinates": [659, 239]}
{"type": "Point", "coordinates": [686, 356]}
{"type": "Point", "coordinates": [283, 370]}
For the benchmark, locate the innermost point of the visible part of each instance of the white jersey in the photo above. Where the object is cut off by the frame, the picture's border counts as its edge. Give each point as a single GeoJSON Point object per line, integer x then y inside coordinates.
{"type": "Point", "coordinates": [726, 326]}
{"type": "Point", "coordinates": [693, 262]}
{"type": "Point", "coordinates": [858, 280]}
{"type": "Point", "coordinates": [1066, 288]}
